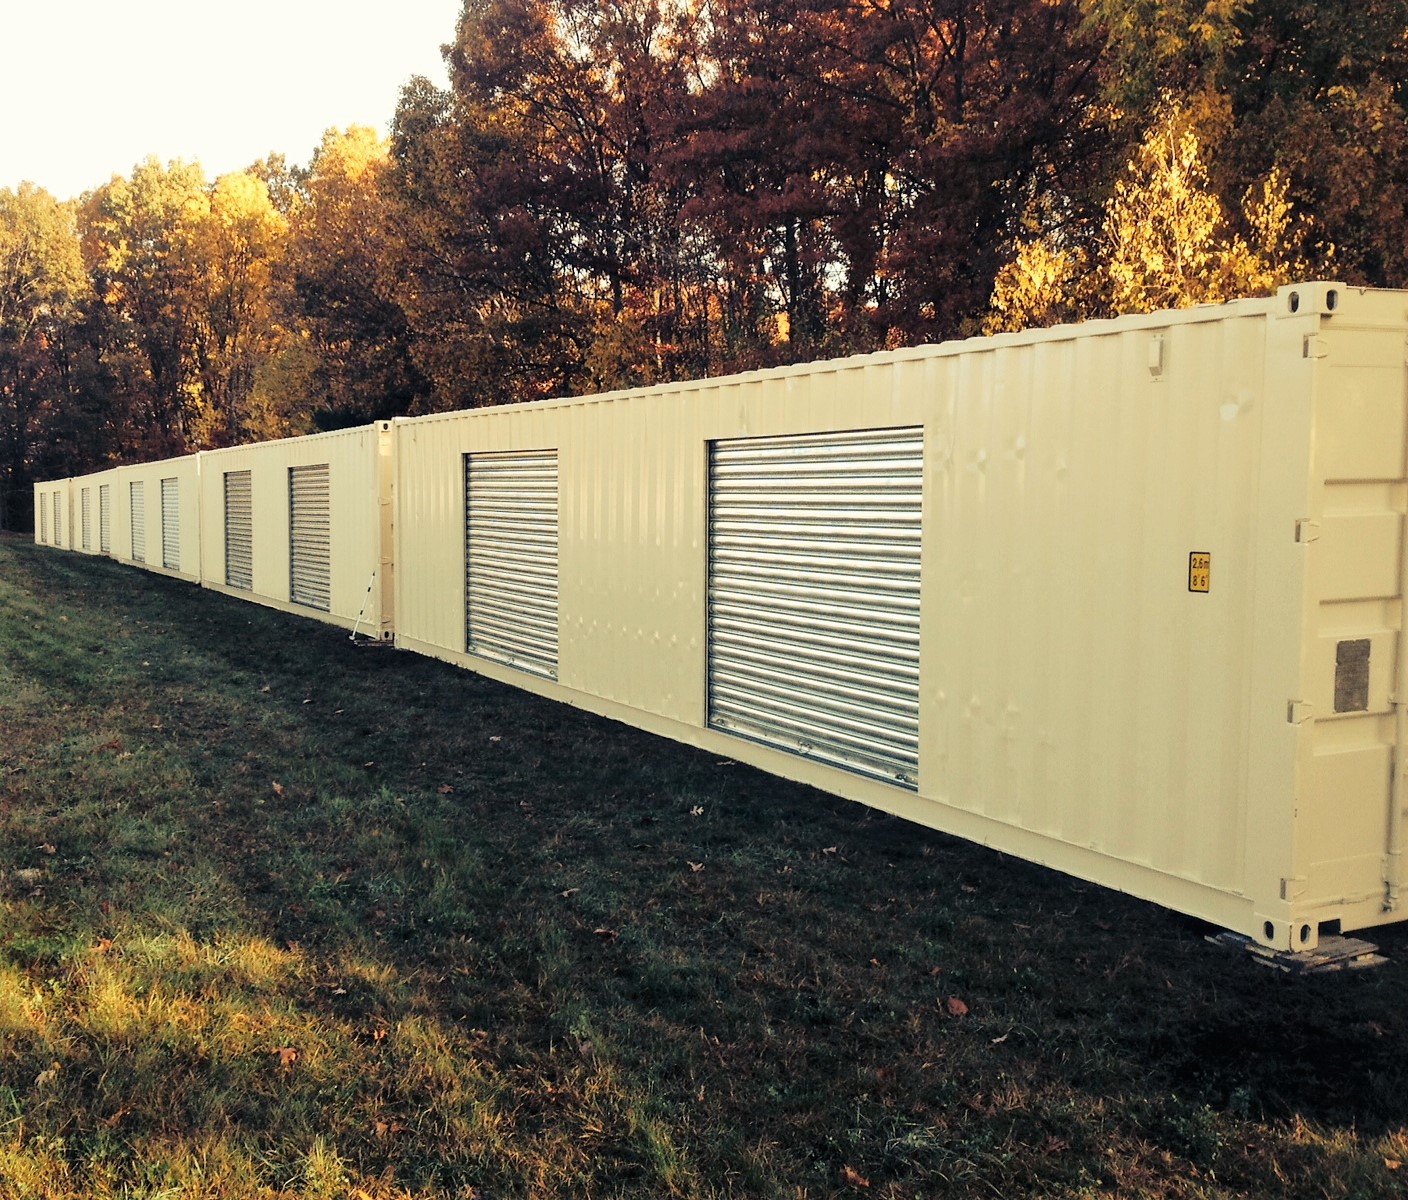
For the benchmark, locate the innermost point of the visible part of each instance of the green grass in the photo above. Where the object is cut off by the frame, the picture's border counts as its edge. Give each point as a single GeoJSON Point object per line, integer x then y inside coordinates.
{"type": "Point", "coordinates": [474, 944]}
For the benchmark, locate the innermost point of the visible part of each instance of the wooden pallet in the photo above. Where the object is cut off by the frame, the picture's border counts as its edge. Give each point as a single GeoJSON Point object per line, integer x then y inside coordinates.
{"type": "Point", "coordinates": [1335, 953]}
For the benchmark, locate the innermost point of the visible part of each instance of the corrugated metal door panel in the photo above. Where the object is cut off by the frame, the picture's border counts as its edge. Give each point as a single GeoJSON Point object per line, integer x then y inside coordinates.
{"type": "Point", "coordinates": [105, 517]}
{"type": "Point", "coordinates": [511, 558]}
{"type": "Point", "coordinates": [239, 530]}
{"type": "Point", "coordinates": [58, 519]}
{"type": "Point", "coordinates": [43, 520]}
{"type": "Point", "coordinates": [86, 516]}
{"type": "Point", "coordinates": [814, 596]}
{"type": "Point", "coordinates": [310, 536]}
{"type": "Point", "coordinates": [138, 495]}
{"type": "Point", "coordinates": [171, 524]}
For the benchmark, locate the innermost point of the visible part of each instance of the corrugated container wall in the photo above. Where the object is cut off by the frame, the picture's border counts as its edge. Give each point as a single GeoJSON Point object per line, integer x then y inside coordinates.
{"type": "Point", "coordinates": [53, 514]}
{"type": "Point", "coordinates": [156, 516]}
{"type": "Point", "coordinates": [1123, 598]}
{"type": "Point", "coordinates": [304, 525]}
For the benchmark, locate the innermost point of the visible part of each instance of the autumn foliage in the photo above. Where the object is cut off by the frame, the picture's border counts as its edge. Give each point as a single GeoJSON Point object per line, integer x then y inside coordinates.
{"type": "Point", "coordinates": [619, 192]}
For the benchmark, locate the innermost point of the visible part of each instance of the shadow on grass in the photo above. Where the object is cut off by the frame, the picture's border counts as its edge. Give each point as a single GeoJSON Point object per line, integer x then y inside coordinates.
{"type": "Point", "coordinates": [561, 956]}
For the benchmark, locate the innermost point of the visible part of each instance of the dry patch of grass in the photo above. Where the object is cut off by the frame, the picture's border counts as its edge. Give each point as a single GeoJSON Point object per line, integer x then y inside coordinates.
{"type": "Point", "coordinates": [284, 918]}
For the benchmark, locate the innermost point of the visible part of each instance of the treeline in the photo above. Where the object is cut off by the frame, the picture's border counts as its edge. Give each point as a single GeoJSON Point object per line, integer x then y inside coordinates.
{"type": "Point", "coordinates": [618, 192]}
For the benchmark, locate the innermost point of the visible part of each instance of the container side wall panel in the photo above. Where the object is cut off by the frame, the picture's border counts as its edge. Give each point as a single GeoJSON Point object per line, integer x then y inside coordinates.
{"type": "Point", "coordinates": [350, 548]}
{"type": "Point", "coordinates": [1076, 700]}
{"type": "Point", "coordinates": [105, 517]}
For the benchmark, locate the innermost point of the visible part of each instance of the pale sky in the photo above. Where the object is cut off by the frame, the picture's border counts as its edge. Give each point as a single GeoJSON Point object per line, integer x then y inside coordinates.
{"type": "Point", "coordinates": [88, 88]}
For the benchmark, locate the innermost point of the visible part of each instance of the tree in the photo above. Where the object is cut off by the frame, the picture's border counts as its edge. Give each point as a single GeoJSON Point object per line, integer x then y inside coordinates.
{"type": "Point", "coordinates": [1166, 240]}
{"type": "Point", "coordinates": [42, 285]}
{"type": "Point", "coordinates": [356, 360]}
{"type": "Point", "coordinates": [139, 236]}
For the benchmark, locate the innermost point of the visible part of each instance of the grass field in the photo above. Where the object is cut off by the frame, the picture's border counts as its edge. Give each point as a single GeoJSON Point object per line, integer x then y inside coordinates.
{"type": "Point", "coordinates": [280, 916]}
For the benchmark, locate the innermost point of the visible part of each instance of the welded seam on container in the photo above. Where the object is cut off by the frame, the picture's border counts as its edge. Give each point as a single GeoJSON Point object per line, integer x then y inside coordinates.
{"type": "Point", "coordinates": [511, 559]}
{"type": "Point", "coordinates": [813, 611]}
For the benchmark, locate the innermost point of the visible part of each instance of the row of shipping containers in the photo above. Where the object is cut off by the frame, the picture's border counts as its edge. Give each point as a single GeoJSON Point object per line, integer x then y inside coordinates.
{"type": "Point", "coordinates": [1124, 598]}
{"type": "Point", "coordinates": [302, 525]}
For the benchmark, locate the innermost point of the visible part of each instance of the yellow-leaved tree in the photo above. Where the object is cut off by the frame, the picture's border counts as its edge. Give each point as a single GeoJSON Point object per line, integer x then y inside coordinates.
{"type": "Point", "coordinates": [1165, 240]}
{"type": "Point", "coordinates": [238, 243]}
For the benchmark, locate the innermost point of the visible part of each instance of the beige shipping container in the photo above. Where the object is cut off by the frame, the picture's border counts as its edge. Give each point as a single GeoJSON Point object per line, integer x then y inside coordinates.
{"type": "Point", "coordinates": [156, 516]}
{"type": "Point", "coordinates": [53, 513]}
{"type": "Point", "coordinates": [304, 525]}
{"type": "Point", "coordinates": [1122, 598]}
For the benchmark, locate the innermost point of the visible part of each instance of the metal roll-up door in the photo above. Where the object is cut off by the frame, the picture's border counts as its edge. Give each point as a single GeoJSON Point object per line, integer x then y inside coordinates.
{"type": "Point", "coordinates": [510, 555]}
{"type": "Point", "coordinates": [85, 509]}
{"type": "Point", "coordinates": [43, 521]}
{"type": "Point", "coordinates": [105, 518]}
{"type": "Point", "coordinates": [814, 596]}
{"type": "Point", "coordinates": [310, 537]}
{"type": "Point", "coordinates": [239, 530]}
{"type": "Point", "coordinates": [138, 496]}
{"type": "Point", "coordinates": [59, 538]}
{"type": "Point", "coordinates": [171, 524]}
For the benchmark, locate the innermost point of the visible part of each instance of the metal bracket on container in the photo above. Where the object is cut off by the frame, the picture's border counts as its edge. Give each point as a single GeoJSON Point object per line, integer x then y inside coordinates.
{"type": "Point", "coordinates": [1316, 346]}
{"type": "Point", "coordinates": [1335, 953]}
{"type": "Point", "coordinates": [1156, 356]}
{"type": "Point", "coordinates": [1307, 531]}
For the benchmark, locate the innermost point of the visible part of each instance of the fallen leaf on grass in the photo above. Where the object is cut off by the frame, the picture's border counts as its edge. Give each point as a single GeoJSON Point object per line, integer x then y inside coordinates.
{"type": "Point", "coordinates": [387, 1128]}
{"type": "Point", "coordinates": [47, 848]}
{"type": "Point", "coordinates": [287, 1056]}
{"type": "Point", "coordinates": [972, 891]}
{"type": "Point", "coordinates": [854, 1178]}
{"type": "Point", "coordinates": [569, 892]}
{"type": "Point", "coordinates": [955, 1007]}
{"type": "Point", "coordinates": [45, 1078]}
{"type": "Point", "coordinates": [114, 746]}
{"type": "Point", "coordinates": [607, 935]}
{"type": "Point", "coordinates": [697, 811]}
{"type": "Point", "coordinates": [695, 867]}
{"type": "Point", "coordinates": [828, 849]}
{"type": "Point", "coordinates": [1054, 1145]}
{"type": "Point", "coordinates": [1392, 1164]}
{"type": "Point", "coordinates": [103, 946]}
{"type": "Point", "coordinates": [266, 688]}
{"type": "Point", "coordinates": [495, 738]}
{"type": "Point", "coordinates": [444, 789]}
{"type": "Point", "coordinates": [278, 787]}
{"type": "Point", "coordinates": [997, 1041]}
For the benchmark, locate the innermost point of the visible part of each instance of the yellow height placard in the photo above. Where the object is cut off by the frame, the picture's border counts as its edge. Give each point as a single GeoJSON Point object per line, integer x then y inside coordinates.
{"type": "Point", "coordinates": [1200, 571]}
